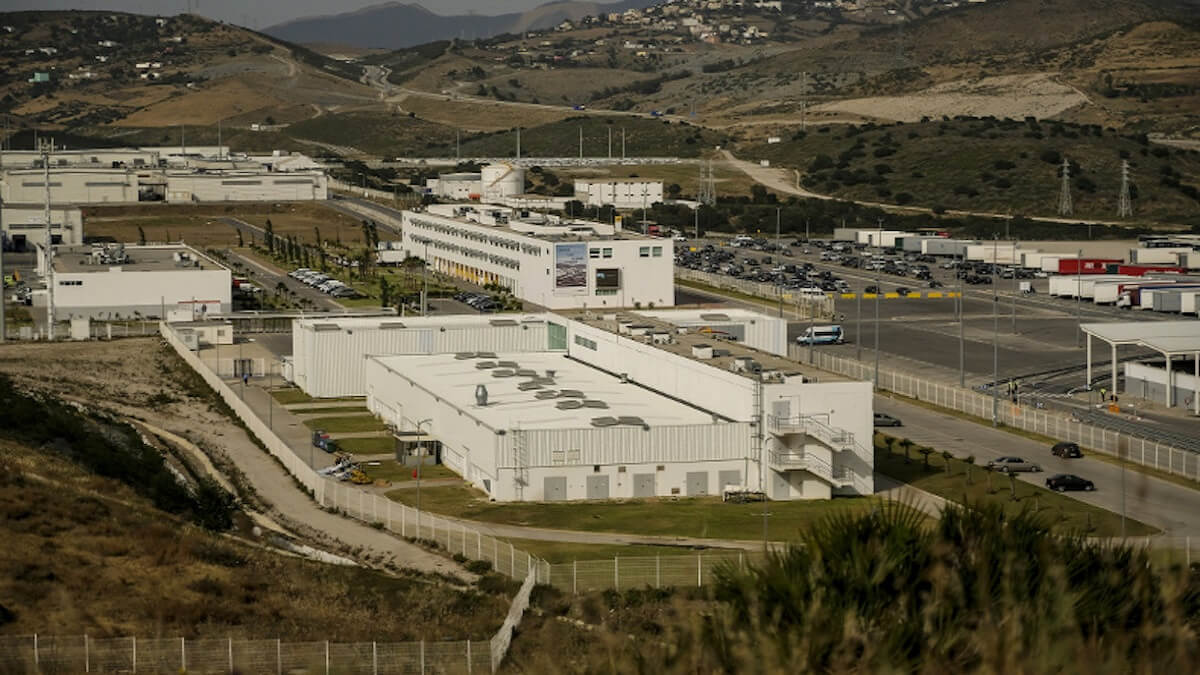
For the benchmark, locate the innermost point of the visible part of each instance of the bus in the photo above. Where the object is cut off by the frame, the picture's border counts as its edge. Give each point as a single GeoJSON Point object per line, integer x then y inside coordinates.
{"type": "Point", "coordinates": [822, 335]}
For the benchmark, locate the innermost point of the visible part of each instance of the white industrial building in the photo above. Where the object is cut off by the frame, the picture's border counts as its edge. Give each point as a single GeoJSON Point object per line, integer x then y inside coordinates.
{"type": "Point", "coordinates": [246, 186]}
{"type": "Point", "coordinates": [108, 158]}
{"type": "Point", "coordinates": [122, 282]}
{"type": "Point", "coordinates": [69, 185]}
{"type": "Point", "coordinates": [549, 261]}
{"type": "Point", "coordinates": [600, 407]}
{"type": "Point", "coordinates": [623, 193]}
{"type": "Point", "coordinates": [24, 225]}
{"type": "Point", "coordinates": [1167, 381]}
{"type": "Point", "coordinates": [494, 182]}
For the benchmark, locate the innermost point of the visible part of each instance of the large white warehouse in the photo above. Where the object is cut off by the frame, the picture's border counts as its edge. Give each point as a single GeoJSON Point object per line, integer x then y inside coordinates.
{"type": "Point", "coordinates": [619, 406]}
{"type": "Point", "coordinates": [122, 282]}
{"type": "Point", "coordinates": [552, 262]}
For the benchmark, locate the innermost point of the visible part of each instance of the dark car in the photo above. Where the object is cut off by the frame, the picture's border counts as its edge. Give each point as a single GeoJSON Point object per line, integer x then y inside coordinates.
{"type": "Point", "coordinates": [902, 291]}
{"type": "Point", "coordinates": [885, 420]}
{"type": "Point", "coordinates": [871, 289]}
{"type": "Point", "coordinates": [1066, 450]}
{"type": "Point", "coordinates": [934, 283]}
{"type": "Point", "coordinates": [1067, 481]}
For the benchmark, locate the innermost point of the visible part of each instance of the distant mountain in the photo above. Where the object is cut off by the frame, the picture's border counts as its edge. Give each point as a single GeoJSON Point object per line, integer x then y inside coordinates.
{"type": "Point", "coordinates": [395, 25]}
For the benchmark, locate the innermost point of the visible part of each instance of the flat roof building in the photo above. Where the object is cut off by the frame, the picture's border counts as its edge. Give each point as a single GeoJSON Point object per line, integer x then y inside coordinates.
{"type": "Point", "coordinates": [24, 226]}
{"type": "Point", "coordinates": [623, 193]}
{"type": "Point", "coordinates": [552, 262]}
{"type": "Point", "coordinates": [598, 407]}
{"type": "Point", "coordinates": [123, 282]}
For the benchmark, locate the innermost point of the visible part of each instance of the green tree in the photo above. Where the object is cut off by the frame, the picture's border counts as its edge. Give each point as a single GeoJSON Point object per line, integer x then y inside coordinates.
{"type": "Point", "coordinates": [385, 292]}
{"type": "Point", "coordinates": [906, 445]}
{"type": "Point", "coordinates": [317, 234]}
{"type": "Point", "coordinates": [141, 236]}
{"type": "Point", "coordinates": [270, 237]}
{"type": "Point", "coordinates": [925, 453]}
{"type": "Point", "coordinates": [241, 242]}
{"type": "Point", "coordinates": [946, 457]}
{"type": "Point", "coordinates": [970, 461]}
{"type": "Point", "coordinates": [989, 469]}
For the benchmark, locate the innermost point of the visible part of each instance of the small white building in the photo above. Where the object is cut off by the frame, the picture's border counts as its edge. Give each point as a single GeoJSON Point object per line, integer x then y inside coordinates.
{"type": "Point", "coordinates": [552, 262]}
{"type": "Point", "coordinates": [123, 282]}
{"type": "Point", "coordinates": [24, 225]}
{"type": "Point", "coordinates": [623, 193]}
{"type": "Point", "coordinates": [69, 185]}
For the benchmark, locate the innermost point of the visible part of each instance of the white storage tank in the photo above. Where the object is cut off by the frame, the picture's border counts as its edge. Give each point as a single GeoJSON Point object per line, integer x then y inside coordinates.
{"type": "Point", "coordinates": [502, 180]}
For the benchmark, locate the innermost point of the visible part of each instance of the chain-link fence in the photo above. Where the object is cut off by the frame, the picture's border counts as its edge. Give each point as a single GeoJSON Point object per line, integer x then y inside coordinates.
{"type": "Point", "coordinates": [1058, 425]}
{"type": "Point", "coordinates": [620, 573]}
{"type": "Point", "coordinates": [791, 302]}
{"type": "Point", "coordinates": [46, 655]}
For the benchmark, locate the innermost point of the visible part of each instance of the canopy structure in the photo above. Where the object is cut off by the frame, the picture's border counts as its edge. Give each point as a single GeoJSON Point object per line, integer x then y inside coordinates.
{"type": "Point", "coordinates": [1169, 338]}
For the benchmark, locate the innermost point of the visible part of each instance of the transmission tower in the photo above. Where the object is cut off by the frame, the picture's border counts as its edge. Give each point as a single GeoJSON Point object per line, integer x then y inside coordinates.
{"type": "Point", "coordinates": [707, 194]}
{"type": "Point", "coordinates": [1065, 208]}
{"type": "Point", "coordinates": [1124, 205]}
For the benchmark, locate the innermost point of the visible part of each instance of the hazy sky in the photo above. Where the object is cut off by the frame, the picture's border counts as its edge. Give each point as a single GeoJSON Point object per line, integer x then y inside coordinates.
{"type": "Point", "coordinates": [263, 13]}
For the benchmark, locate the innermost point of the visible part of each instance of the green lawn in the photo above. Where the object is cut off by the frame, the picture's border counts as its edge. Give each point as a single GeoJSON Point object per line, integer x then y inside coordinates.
{"type": "Point", "coordinates": [691, 517]}
{"type": "Point", "coordinates": [344, 424]}
{"type": "Point", "coordinates": [368, 446]}
{"type": "Point", "coordinates": [332, 410]}
{"type": "Point", "coordinates": [291, 395]}
{"type": "Point", "coordinates": [562, 552]}
{"type": "Point", "coordinates": [397, 473]}
{"type": "Point", "coordinates": [1064, 513]}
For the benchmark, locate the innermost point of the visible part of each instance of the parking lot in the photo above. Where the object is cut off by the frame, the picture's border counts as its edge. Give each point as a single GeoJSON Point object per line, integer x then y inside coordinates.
{"type": "Point", "coordinates": [1030, 332]}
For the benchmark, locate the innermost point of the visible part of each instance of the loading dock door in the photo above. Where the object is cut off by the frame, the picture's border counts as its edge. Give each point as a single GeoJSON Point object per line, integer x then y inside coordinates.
{"type": "Point", "coordinates": [643, 485]}
{"type": "Point", "coordinates": [554, 489]}
{"type": "Point", "coordinates": [597, 487]}
{"type": "Point", "coordinates": [697, 483]}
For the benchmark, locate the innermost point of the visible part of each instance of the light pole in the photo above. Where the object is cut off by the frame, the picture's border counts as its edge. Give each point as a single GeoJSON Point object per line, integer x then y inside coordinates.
{"type": "Point", "coordinates": [878, 292]}
{"type": "Point", "coordinates": [995, 333]}
{"type": "Point", "coordinates": [1079, 298]}
{"type": "Point", "coordinates": [858, 325]}
{"type": "Point", "coordinates": [420, 461]}
{"type": "Point", "coordinates": [960, 272]}
{"type": "Point", "coordinates": [425, 280]}
{"type": "Point", "coordinates": [1014, 293]}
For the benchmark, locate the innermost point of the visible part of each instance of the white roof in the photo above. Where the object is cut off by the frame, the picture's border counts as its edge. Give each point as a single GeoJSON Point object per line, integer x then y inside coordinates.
{"type": "Point", "coordinates": [393, 322]}
{"type": "Point", "coordinates": [454, 380]}
{"type": "Point", "coordinates": [1172, 346]}
{"type": "Point", "coordinates": [1142, 332]}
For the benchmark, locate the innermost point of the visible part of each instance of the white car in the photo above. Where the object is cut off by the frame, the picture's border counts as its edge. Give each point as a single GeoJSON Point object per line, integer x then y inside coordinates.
{"type": "Point", "coordinates": [1013, 465]}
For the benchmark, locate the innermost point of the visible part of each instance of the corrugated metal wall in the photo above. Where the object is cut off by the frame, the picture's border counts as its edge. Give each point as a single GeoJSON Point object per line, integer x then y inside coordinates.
{"type": "Point", "coordinates": [630, 445]}
{"type": "Point", "coordinates": [329, 363]}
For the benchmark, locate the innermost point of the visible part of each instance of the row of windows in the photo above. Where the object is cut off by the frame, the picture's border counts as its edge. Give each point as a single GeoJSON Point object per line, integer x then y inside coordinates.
{"type": "Point", "coordinates": [647, 251]}
{"type": "Point", "coordinates": [72, 282]}
{"type": "Point", "coordinates": [472, 235]}
{"type": "Point", "coordinates": [597, 252]}
{"type": "Point", "coordinates": [606, 291]}
{"type": "Point", "coordinates": [584, 342]}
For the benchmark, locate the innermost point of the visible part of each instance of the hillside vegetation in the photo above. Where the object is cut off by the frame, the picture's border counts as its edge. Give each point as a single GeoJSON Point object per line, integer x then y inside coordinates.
{"type": "Point", "coordinates": [993, 165]}
{"type": "Point", "coordinates": [643, 138]}
{"type": "Point", "coordinates": [975, 592]}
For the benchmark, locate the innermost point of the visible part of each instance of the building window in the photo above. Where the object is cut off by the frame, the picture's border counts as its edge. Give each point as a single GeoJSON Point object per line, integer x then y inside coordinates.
{"type": "Point", "coordinates": [608, 253]}
{"type": "Point", "coordinates": [595, 468]}
{"type": "Point", "coordinates": [657, 251]}
{"type": "Point", "coordinates": [593, 253]}
{"type": "Point", "coordinates": [584, 342]}
{"type": "Point", "coordinates": [644, 252]}
{"type": "Point", "coordinates": [557, 457]}
{"type": "Point", "coordinates": [70, 283]}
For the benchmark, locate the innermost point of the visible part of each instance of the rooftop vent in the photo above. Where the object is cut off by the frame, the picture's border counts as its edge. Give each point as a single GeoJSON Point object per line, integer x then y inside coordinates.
{"type": "Point", "coordinates": [485, 355]}
{"type": "Point", "coordinates": [569, 405]}
{"type": "Point", "coordinates": [546, 394]}
{"type": "Point", "coordinates": [508, 364]}
{"type": "Point", "coordinates": [391, 325]}
{"type": "Point", "coordinates": [527, 372]}
{"type": "Point", "coordinates": [503, 372]}
{"type": "Point", "coordinates": [594, 404]}
{"type": "Point", "coordinates": [484, 365]}
{"type": "Point", "coordinates": [702, 351]}
{"type": "Point", "coordinates": [503, 322]}
{"type": "Point", "coordinates": [715, 317]}
{"type": "Point", "coordinates": [464, 356]}
{"type": "Point", "coordinates": [605, 421]}
{"type": "Point", "coordinates": [528, 386]}
{"type": "Point", "coordinates": [326, 326]}
{"type": "Point", "coordinates": [632, 421]}
{"type": "Point", "coordinates": [571, 393]}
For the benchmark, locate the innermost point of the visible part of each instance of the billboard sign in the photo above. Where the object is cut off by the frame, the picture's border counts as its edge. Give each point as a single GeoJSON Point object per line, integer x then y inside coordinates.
{"type": "Point", "coordinates": [608, 278]}
{"type": "Point", "coordinates": [570, 267]}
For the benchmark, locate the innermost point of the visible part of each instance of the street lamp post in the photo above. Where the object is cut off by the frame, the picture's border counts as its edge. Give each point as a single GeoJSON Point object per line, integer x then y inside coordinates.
{"type": "Point", "coordinates": [995, 334]}
{"type": "Point", "coordinates": [960, 272]}
{"type": "Point", "coordinates": [878, 292]}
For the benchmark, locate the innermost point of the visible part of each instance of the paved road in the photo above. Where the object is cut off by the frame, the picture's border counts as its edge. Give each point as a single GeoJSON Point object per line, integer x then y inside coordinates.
{"type": "Point", "coordinates": [1173, 508]}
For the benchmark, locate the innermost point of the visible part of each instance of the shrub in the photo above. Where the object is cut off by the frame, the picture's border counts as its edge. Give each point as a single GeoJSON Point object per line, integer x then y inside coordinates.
{"type": "Point", "coordinates": [1051, 157]}
{"type": "Point", "coordinates": [478, 566]}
